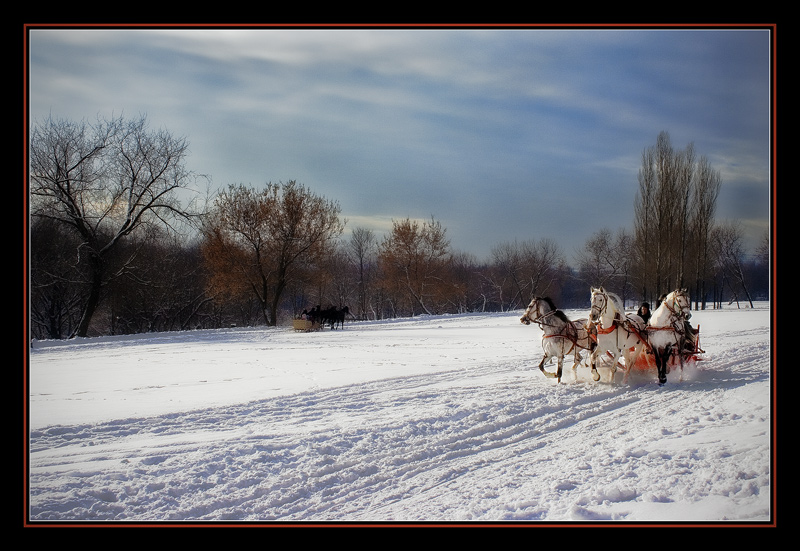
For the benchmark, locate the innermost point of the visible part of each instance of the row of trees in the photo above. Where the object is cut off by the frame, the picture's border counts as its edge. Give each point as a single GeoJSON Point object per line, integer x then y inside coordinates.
{"type": "Point", "coordinates": [123, 240]}
{"type": "Point", "coordinates": [675, 210]}
{"type": "Point", "coordinates": [676, 241]}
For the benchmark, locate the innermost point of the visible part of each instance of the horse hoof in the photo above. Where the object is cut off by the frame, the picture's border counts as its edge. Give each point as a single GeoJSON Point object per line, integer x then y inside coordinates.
{"type": "Point", "coordinates": [595, 376]}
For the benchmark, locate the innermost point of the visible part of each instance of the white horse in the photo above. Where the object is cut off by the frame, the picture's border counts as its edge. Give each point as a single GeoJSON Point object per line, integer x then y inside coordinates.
{"type": "Point", "coordinates": [620, 334]}
{"type": "Point", "coordinates": [666, 331]}
{"type": "Point", "coordinates": [562, 336]}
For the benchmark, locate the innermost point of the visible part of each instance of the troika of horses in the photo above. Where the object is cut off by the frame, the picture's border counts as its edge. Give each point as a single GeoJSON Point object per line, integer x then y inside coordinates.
{"type": "Point", "coordinates": [609, 332]}
{"type": "Point", "coordinates": [329, 316]}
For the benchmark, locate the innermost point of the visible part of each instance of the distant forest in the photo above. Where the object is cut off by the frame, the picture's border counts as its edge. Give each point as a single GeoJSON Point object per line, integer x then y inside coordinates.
{"type": "Point", "coordinates": [123, 240]}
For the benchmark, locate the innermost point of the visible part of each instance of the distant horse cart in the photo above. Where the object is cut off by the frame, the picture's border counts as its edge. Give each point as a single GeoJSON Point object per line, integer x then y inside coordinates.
{"type": "Point", "coordinates": [317, 318]}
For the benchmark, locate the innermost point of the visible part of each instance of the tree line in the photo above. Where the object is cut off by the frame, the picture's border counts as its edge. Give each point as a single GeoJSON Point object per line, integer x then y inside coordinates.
{"type": "Point", "coordinates": [676, 241]}
{"type": "Point", "coordinates": [123, 239]}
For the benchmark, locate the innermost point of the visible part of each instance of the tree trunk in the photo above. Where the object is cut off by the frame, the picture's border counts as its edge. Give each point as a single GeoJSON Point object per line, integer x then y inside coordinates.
{"type": "Point", "coordinates": [96, 264]}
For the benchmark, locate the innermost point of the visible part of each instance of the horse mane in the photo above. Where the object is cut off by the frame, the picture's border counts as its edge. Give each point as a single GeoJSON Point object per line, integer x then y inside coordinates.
{"type": "Point", "coordinates": [556, 312]}
{"type": "Point", "coordinates": [672, 294]}
{"type": "Point", "coordinates": [617, 302]}
{"type": "Point", "coordinates": [549, 302]}
{"type": "Point", "coordinates": [613, 297]}
{"type": "Point", "coordinates": [562, 316]}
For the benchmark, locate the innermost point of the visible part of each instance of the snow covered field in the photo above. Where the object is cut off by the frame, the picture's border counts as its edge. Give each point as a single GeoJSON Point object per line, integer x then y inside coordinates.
{"type": "Point", "coordinates": [437, 419]}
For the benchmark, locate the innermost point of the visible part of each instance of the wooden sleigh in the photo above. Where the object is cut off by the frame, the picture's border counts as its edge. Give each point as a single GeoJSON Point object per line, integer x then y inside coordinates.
{"type": "Point", "coordinates": [646, 361]}
{"type": "Point", "coordinates": [305, 325]}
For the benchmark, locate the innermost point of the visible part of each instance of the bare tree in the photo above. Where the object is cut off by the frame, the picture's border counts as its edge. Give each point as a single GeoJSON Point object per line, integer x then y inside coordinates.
{"type": "Point", "coordinates": [665, 211]}
{"type": "Point", "coordinates": [596, 261]}
{"type": "Point", "coordinates": [167, 291]}
{"type": "Point", "coordinates": [607, 260]}
{"type": "Point", "coordinates": [644, 208]}
{"type": "Point", "coordinates": [674, 211]}
{"type": "Point", "coordinates": [508, 276]}
{"type": "Point", "coordinates": [684, 183]}
{"type": "Point", "coordinates": [544, 264]}
{"type": "Point", "coordinates": [465, 272]}
{"type": "Point", "coordinates": [256, 242]}
{"type": "Point", "coordinates": [56, 296]}
{"type": "Point", "coordinates": [415, 260]}
{"type": "Point", "coordinates": [333, 276]}
{"type": "Point", "coordinates": [104, 182]}
{"type": "Point", "coordinates": [728, 239]}
{"type": "Point", "coordinates": [524, 269]}
{"type": "Point", "coordinates": [763, 252]}
{"type": "Point", "coordinates": [362, 247]}
{"type": "Point", "coordinates": [704, 201]}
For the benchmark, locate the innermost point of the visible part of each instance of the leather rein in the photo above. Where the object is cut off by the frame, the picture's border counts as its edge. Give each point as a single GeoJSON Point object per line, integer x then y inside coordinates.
{"type": "Point", "coordinates": [539, 319]}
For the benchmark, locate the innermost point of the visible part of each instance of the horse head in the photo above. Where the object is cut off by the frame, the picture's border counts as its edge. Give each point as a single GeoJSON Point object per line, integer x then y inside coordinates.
{"type": "Point", "coordinates": [599, 303]}
{"type": "Point", "coordinates": [530, 312]}
{"type": "Point", "coordinates": [678, 304]}
{"type": "Point", "coordinates": [534, 310]}
{"type": "Point", "coordinates": [682, 303]}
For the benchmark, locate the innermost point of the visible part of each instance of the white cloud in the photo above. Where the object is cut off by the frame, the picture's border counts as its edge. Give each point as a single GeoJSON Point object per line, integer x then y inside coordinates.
{"type": "Point", "coordinates": [406, 123]}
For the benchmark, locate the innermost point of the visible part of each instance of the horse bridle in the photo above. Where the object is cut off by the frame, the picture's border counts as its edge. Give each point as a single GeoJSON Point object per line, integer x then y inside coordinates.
{"type": "Point", "coordinates": [573, 338]}
{"type": "Point", "coordinates": [600, 309]}
{"type": "Point", "coordinates": [677, 312]}
{"type": "Point", "coordinates": [539, 319]}
{"type": "Point", "coordinates": [598, 324]}
{"type": "Point", "coordinates": [677, 316]}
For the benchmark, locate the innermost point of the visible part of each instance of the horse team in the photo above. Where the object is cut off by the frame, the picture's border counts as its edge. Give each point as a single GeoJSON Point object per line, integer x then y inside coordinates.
{"type": "Point", "coordinates": [609, 330]}
{"type": "Point", "coordinates": [329, 316]}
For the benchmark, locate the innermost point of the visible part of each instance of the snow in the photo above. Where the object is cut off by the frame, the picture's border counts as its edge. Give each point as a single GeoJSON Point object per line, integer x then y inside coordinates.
{"type": "Point", "coordinates": [437, 419]}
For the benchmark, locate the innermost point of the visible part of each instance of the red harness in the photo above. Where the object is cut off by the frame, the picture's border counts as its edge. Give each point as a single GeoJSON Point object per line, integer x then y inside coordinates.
{"type": "Point", "coordinates": [629, 327]}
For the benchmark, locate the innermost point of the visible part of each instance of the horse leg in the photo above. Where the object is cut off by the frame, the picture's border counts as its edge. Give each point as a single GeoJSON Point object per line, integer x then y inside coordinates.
{"type": "Point", "coordinates": [541, 366]}
{"type": "Point", "coordinates": [657, 357]}
{"type": "Point", "coordinates": [631, 357]}
{"type": "Point", "coordinates": [593, 362]}
{"type": "Point", "coordinates": [614, 359]}
{"type": "Point", "coordinates": [578, 358]}
{"type": "Point", "coordinates": [560, 366]}
{"type": "Point", "coordinates": [628, 363]}
{"type": "Point", "coordinates": [662, 363]}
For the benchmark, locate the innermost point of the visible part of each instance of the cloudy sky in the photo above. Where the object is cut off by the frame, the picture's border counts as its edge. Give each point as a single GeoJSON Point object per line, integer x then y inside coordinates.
{"type": "Point", "coordinates": [500, 134]}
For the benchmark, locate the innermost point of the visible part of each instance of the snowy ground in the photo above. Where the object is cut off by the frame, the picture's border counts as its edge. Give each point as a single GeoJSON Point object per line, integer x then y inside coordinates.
{"type": "Point", "coordinates": [440, 419]}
